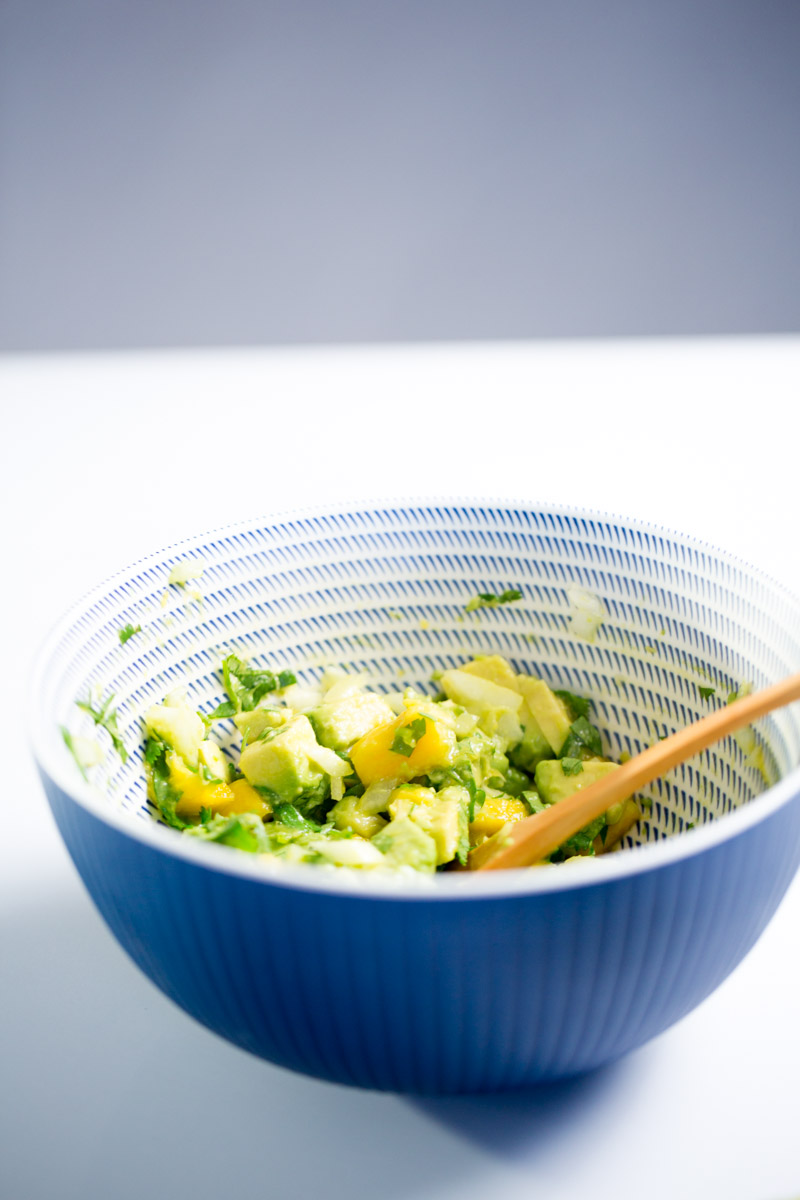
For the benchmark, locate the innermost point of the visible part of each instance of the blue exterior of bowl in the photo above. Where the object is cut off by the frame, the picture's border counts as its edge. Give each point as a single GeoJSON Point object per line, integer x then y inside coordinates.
{"type": "Point", "coordinates": [432, 996]}
{"type": "Point", "coordinates": [469, 984]}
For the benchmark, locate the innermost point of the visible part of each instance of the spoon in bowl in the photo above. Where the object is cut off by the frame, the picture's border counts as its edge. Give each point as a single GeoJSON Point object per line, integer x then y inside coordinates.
{"type": "Point", "coordinates": [532, 839]}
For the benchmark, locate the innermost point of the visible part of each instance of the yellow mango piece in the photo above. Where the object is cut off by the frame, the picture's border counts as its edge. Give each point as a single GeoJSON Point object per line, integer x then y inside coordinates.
{"type": "Point", "coordinates": [200, 794]}
{"type": "Point", "coordinates": [246, 800]}
{"type": "Point", "coordinates": [374, 759]}
{"type": "Point", "coordinates": [497, 811]}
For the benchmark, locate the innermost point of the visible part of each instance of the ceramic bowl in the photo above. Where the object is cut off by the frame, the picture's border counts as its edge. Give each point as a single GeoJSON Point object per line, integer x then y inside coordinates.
{"type": "Point", "coordinates": [461, 982]}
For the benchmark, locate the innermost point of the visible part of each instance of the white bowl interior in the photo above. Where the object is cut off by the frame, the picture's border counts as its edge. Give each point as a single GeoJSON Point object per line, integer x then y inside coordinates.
{"type": "Point", "coordinates": [383, 590]}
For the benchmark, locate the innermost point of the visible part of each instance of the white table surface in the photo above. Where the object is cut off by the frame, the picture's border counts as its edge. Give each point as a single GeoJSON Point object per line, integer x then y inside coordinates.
{"type": "Point", "coordinates": [107, 1091]}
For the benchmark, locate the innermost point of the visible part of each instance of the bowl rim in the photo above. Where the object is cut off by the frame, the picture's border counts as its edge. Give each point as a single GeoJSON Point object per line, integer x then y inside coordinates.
{"type": "Point", "coordinates": [441, 886]}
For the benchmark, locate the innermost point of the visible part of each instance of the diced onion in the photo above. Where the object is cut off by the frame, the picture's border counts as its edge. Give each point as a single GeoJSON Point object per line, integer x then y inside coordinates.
{"type": "Point", "coordinates": [587, 612]}
{"type": "Point", "coordinates": [329, 761]}
{"type": "Point", "coordinates": [344, 687]}
{"type": "Point", "coordinates": [376, 797]}
{"type": "Point", "coordinates": [301, 698]}
{"type": "Point", "coordinates": [188, 569]}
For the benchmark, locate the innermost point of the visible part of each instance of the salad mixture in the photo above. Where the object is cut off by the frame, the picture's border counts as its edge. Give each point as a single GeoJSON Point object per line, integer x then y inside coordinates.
{"type": "Point", "coordinates": [335, 774]}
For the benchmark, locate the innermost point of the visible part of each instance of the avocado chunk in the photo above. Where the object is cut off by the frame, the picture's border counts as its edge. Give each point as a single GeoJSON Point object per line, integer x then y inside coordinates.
{"type": "Point", "coordinates": [404, 844]}
{"type": "Point", "coordinates": [253, 723]}
{"type": "Point", "coordinates": [549, 712]}
{"type": "Point", "coordinates": [442, 815]}
{"type": "Point", "coordinates": [352, 813]}
{"type": "Point", "coordinates": [534, 746]}
{"type": "Point", "coordinates": [553, 784]}
{"type": "Point", "coordinates": [340, 723]}
{"type": "Point", "coordinates": [283, 761]}
{"type": "Point", "coordinates": [179, 726]}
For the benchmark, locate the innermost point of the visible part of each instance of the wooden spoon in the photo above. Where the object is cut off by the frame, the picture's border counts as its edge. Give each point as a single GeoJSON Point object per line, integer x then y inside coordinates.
{"type": "Point", "coordinates": [530, 840]}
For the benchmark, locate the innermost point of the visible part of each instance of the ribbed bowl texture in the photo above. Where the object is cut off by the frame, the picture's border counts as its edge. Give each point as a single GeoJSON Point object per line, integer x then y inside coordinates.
{"type": "Point", "coordinates": [461, 982]}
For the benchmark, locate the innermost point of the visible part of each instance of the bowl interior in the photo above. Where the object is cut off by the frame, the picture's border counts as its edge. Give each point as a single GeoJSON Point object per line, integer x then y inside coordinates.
{"type": "Point", "coordinates": [383, 590]}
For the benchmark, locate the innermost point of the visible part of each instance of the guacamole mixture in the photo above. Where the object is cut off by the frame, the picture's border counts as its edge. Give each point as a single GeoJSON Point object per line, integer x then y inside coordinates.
{"type": "Point", "coordinates": [340, 776]}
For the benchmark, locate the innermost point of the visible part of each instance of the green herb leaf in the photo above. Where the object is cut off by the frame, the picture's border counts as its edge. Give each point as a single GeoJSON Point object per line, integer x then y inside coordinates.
{"type": "Point", "coordinates": [407, 736]}
{"type": "Point", "coordinates": [571, 766]}
{"type": "Point", "coordinates": [578, 705]}
{"type": "Point", "coordinates": [106, 717]}
{"type": "Point", "coordinates": [583, 741]}
{"type": "Point", "coordinates": [67, 736]}
{"type": "Point", "coordinates": [127, 632]}
{"type": "Point", "coordinates": [226, 709]}
{"type": "Point", "coordinates": [490, 600]}
{"type": "Point", "coordinates": [287, 814]}
{"type": "Point", "coordinates": [706, 692]}
{"type": "Point", "coordinates": [166, 796]}
{"type": "Point", "coordinates": [244, 831]}
{"type": "Point", "coordinates": [246, 686]}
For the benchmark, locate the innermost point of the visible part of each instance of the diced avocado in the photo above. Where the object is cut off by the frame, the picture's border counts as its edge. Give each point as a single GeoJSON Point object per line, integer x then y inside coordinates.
{"type": "Point", "coordinates": [554, 785]}
{"type": "Point", "coordinates": [253, 723]}
{"type": "Point", "coordinates": [534, 746]}
{"type": "Point", "coordinates": [179, 726]}
{"type": "Point", "coordinates": [621, 818]}
{"type": "Point", "coordinates": [348, 852]}
{"type": "Point", "coordinates": [340, 723]}
{"type": "Point", "coordinates": [281, 760]}
{"type": "Point", "coordinates": [404, 844]}
{"type": "Point", "coordinates": [351, 813]}
{"type": "Point", "coordinates": [493, 667]}
{"type": "Point", "coordinates": [547, 709]}
{"type": "Point", "coordinates": [442, 815]}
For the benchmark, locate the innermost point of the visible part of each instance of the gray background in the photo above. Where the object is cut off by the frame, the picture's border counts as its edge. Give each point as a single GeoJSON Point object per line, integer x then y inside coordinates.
{"type": "Point", "coordinates": [185, 172]}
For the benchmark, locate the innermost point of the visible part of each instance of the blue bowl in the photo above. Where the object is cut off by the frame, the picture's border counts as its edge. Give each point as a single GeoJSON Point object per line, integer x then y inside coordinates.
{"type": "Point", "coordinates": [457, 983]}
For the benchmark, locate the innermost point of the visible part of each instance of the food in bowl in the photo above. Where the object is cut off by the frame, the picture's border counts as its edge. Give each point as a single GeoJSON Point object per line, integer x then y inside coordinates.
{"type": "Point", "coordinates": [337, 775]}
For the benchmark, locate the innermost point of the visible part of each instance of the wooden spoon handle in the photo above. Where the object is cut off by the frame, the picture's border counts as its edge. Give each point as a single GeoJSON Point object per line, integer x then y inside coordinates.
{"type": "Point", "coordinates": [533, 838]}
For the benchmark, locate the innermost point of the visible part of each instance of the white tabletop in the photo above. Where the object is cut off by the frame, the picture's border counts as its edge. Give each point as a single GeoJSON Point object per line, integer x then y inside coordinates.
{"type": "Point", "coordinates": [111, 1093]}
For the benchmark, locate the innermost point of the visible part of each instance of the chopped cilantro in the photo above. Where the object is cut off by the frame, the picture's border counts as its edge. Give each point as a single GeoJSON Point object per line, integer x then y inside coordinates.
{"type": "Point", "coordinates": [583, 741]}
{"type": "Point", "coordinates": [226, 709]}
{"type": "Point", "coordinates": [287, 814]}
{"type": "Point", "coordinates": [706, 692]}
{"type": "Point", "coordinates": [245, 831]}
{"type": "Point", "coordinates": [571, 766]}
{"type": "Point", "coordinates": [407, 736]}
{"type": "Point", "coordinates": [106, 717]}
{"type": "Point", "coordinates": [127, 632]}
{"type": "Point", "coordinates": [581, 843]}
{"type": "Point", "coordinates": [578, 705]}
{"type": "Point", "coordinates": [67, 736]}
{"type": "Point", "coordinates": [205, 815]}
{"type": "Point", "coordinates": [246, 686]}
{"type": "Point", "coordinates": [490, 600]}
{"type": "Point", "coordinates": [534, 801]}
{"type": "Point", "coordinates": [166, 796]}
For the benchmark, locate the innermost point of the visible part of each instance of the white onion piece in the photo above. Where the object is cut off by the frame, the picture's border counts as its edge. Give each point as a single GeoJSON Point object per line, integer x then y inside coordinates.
{"type": "Point", "coordinates": [586, 612]}
{"type": "Point", "coordinates": [376, 796]}
{"type": "Point", "coordinates": [329, 761]}
{"type": "Point", "coordinates": [344, 687]}
{"type": "Point", "coordinates": [301, 698]}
